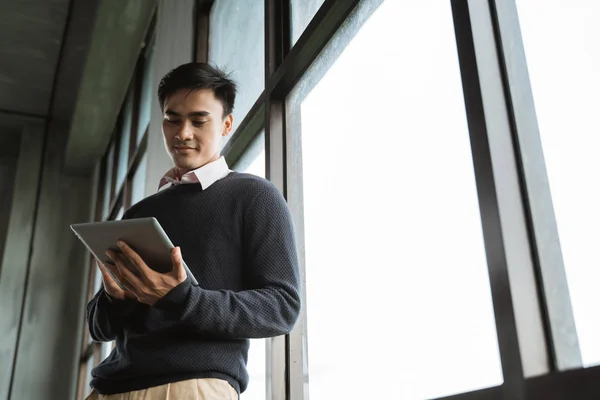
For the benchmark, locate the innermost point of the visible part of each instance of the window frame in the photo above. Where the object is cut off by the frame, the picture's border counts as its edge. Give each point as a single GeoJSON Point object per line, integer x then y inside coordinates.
{"type": "Point", "coordinates": [502, 131]}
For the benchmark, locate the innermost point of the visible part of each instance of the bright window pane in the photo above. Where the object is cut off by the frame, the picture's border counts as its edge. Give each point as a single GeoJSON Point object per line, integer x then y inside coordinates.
{"type": "Point", "coordinates": [106, 348]}
{"type": "Point", "coordinates": [120, 214]}
{"type": "Point", "coordinates": [253, 162]}
{"type": "Point", "coordinates": [237, 46]}
{"type": "Point", "coordinates": [397, 286]}
{"type": "Point", "coordinates": [562, 46]}
{"type": "Point", "coordinates": [302, 13]}
{"type": "Point", "coordinates": [253, 159]}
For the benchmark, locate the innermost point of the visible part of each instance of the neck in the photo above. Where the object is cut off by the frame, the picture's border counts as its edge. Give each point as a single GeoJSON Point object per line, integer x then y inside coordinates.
{"type": "Point", "coordinates": [179, 171]}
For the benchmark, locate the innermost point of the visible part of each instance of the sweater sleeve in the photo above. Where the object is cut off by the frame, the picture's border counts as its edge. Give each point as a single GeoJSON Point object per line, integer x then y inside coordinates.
{"type": "Point", "coordinates": [105, 316]}
{"type": "Point", "coordinates": [270, 308]}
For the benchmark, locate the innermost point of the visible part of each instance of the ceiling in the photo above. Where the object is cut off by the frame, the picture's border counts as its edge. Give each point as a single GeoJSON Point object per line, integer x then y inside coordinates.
{"type": "Point", "coordinates": [31, 33]}
{"type": "Point", "coordinates": [69, 62]}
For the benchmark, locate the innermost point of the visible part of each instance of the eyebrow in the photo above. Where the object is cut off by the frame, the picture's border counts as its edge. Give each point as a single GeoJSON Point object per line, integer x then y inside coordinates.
{"type": "Point", "coordinates": [190, 115]}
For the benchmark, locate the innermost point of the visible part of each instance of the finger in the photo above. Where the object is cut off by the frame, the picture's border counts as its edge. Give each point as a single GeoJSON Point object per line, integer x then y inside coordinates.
{"type": "Point", "coordinates": [130, 277]}
{"type": "Point", "coordinates": [135, 259]}
{"type": "Point", "coordinates": [104, 272]}
{"type": "Point", "coordinates": [118, 268]}
{"type": "Point", "coordinates": [108, 270]}
{"type": "Point", "coordinates": [177, 259]}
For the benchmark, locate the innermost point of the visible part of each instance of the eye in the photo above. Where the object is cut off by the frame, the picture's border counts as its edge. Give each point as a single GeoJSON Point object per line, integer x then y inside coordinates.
{"type": "Point", "coordinates": [198, 123]}
{"type": "Point", "coordinates": [172, 121]}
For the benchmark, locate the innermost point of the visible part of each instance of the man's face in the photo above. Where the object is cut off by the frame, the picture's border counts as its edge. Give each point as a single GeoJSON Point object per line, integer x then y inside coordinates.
{"type": "Point", "coordinates": [193, 126]}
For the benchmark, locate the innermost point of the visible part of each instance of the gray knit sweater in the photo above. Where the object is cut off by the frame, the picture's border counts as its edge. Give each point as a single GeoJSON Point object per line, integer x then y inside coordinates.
{"type": "Point", "coordinates": [238, 240]}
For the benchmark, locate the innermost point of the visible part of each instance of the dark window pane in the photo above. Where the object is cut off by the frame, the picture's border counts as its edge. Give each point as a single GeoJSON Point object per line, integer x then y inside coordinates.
{"type": "Point", "coordinates": [146, 95]}
{"type": "Point", "coordinates": [124, 138]}
{"type": "Point", "coordinates": [138, 184]}
{"type": "Point", "coordinates": [109, 181]}
{"type": "Point", "coordinates": [237, 45]}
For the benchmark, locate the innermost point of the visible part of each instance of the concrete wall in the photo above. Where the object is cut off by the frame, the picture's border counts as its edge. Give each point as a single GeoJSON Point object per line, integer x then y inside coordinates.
{"type": "Point", "coordinates": [117, 37]}
{"type": "Point", "coordinates": [44, 271]}
{"type": "Point", "coordinates": [43, 274]}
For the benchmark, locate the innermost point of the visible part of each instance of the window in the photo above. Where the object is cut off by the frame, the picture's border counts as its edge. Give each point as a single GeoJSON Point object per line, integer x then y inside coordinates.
{"type": "Point", "coordinates": [302, 12]}
{"type": "Point", "coordinates": [396, 274]}
{"type": "Point", "coordinates": [124, 139]}
{"type": "Point", "coordinates": [253, 162]}
{"type": "Point", "coordinates": [253, 159]}
{"type": "Point", "coordinates": [8, 172]}
{"type": "Point", "coordinates": [108, 173]}
{"type": "Point", "coordinates": [146, 94]}
{"type": "Point", "coordinates": [237, 46]}
{"type": "Point", "coordinates": [563, 59]}
{"type": "Point", "coordinates": [138, 184]}
{"type": "Point", "coordinates": [121, 183]}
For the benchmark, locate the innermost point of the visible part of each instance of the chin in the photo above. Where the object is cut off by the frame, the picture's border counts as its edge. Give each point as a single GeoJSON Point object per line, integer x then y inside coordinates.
{"type": "Point", "coordinates": [189, 164]}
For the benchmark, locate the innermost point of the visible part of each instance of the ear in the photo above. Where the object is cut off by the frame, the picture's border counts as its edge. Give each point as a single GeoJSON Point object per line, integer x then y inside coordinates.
{"type": "Point", "coordinates": [227, 125]}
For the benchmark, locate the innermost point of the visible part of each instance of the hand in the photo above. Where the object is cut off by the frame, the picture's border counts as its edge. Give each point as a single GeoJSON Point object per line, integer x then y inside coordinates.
{"type": "Point", "coordinates": [110, 286]}
{"type": "Point", "coordinates": [150, 286]}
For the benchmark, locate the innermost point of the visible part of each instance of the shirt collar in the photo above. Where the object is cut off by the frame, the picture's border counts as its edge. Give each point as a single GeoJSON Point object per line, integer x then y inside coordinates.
{"type": "Point", "coordinates": [206, 175]}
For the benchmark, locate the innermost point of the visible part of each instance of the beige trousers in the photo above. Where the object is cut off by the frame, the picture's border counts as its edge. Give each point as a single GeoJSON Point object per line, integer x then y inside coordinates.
{"type": "Point", "coordinates": [193, 389]}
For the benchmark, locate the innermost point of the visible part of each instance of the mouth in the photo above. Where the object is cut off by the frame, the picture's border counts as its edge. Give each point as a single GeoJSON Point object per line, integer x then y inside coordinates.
{"type": "Point", "coordinates": [183, 149]}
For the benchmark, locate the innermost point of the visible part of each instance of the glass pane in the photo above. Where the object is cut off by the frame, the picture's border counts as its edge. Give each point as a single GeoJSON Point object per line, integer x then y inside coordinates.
{"type": "Point", "coordinates": [147, 93]}
{"type": "Point", "coordinates": [239, 50]}
{"type": "Point", "coordinates": [124, 138]}
{"type": "Point", "coordinates": [8, 174]}
{"type": "Point", "coordinates": [253, 162]}
{"type": "Point", "coordinates": [97, 279]}
{"type": "Point", "coordinates": [120, 214]}
{"type": "Point", "coordinates": [562, 46]}
{"type": "Point", "coordinates": [253, 159]}
{"type": "Point", "coordinates": [105, 349]}
{"type": "Point", "coordinates": [109, 181]}
{"type": "Point", "coordinates": [138, 185]}
{"type": "Point", "coordinates": [302, 12]}
{"type": "Point", "coordinates": [391, 215]}
{"type": "Point", "coordinates": [87, 389]}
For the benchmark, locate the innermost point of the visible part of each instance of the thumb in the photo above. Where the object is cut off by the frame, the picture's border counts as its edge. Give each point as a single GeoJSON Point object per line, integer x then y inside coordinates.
{"type": "Point", "coordinates": [177, 260]}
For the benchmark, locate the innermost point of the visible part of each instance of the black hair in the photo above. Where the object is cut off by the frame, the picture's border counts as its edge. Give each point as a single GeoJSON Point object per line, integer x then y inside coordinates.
{"type": "Point", "coordinates": [196, 76]}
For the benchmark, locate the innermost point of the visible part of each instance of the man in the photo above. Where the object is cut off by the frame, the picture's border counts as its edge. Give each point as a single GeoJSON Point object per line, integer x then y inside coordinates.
{"type": "Point", "coordinates": [179, 341]}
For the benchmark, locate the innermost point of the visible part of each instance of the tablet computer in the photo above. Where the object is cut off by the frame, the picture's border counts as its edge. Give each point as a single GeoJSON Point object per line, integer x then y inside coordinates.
{"type": "Point", "coordinates": [144, 235]}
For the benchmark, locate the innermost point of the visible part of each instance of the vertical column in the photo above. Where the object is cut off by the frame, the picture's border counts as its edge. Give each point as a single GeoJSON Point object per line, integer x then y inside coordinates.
{"type": "Point", "coordinates": [15, 260]}
{"type": "Point", "coordinates": [174, 46]}
{"type": "Point", "coordinates": [49, 338]}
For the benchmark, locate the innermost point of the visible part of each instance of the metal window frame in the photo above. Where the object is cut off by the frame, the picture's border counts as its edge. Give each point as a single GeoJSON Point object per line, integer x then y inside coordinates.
{"type": "Point", "coordinates": [552, 280]}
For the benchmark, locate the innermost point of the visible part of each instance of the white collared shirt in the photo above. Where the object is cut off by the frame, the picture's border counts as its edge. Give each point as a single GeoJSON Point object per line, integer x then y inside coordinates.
{"type": "Point", "coordinates": [206, 175]}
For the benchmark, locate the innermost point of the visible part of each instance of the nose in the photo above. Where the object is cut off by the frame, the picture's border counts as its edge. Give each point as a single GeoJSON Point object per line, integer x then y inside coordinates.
{"type": "Point", "coordinates": [185, 132]}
